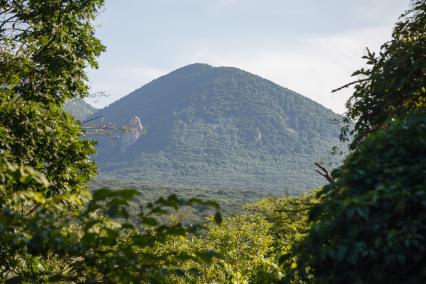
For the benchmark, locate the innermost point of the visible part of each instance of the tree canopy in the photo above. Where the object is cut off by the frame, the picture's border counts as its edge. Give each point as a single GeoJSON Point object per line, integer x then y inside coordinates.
{"type": "Point", "coordinates": [51, 227]}
{"type": "Point", "coordinates": [367, 226]}
{"type": "Point", "coordinates": [394, 81]}
{"type": "Point", "coordinates": [45, 48]}
{"type": "Point", "coordinates": [370, 225]}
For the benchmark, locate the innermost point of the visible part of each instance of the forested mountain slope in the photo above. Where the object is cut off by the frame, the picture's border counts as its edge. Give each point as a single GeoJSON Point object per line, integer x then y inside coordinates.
{"type": "Point", "coordinates": [79, 108]}
{"type": "Point", "coordinates": [219, 127]}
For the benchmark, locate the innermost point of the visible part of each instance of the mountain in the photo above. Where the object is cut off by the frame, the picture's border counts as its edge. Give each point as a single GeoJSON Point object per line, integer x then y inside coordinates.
{"type": "Point", "coordinates": [79, 108]}
{"type": "Point", "coordinates": [218, 127]}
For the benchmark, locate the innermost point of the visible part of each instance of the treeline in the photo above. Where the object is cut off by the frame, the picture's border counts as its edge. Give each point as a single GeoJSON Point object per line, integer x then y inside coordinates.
{"type": "Point", "coordinates": [245, 248]}
{"type": "Point", "coordinates": [368, 225]}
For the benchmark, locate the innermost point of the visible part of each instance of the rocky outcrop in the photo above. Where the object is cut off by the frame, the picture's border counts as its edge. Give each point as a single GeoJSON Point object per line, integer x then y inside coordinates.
{"type": "Point", "coordinates": [134, 130]}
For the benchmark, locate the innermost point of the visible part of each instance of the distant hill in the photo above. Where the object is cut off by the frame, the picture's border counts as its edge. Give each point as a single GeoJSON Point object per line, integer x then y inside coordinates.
{"type": "Point", "coordinates": [219, 127]}
{"type": "Point", "coordinates": [79, 108]}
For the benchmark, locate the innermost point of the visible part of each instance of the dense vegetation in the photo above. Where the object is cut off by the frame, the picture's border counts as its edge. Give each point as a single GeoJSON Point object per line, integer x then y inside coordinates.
{"type": "Point", "coordinates": [372, 221]}
{"type": "Point", "coordinates": [221, 127]}
{"type": "Point", "coordinates": [51, 228]}
{"type": "Point", "coordinates": [368, 225]}
{"type": "Point", "coordinates": [371, 224]}
{"type": "Point", "coordinates": [394, 81]}
{"type": "Point", "coordinates": [231, 200]}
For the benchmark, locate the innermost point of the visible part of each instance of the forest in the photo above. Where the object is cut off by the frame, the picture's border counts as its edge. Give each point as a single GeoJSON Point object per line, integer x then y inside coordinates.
{"type": "Point", "coordinates": [366, 225]}
{"type": "Point", "coordinates": [220, 127]}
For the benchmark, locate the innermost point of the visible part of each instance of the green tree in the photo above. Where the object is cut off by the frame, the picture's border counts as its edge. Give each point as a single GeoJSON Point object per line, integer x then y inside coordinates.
{"type": "Point", "coordinates": [244, 248]}
{"type": "Point", "coordinates": [370, 226]}
{"type": "Point", "coordinates": [45, 48]}
{"type": "Point", "coordinates": [60, 241]}
{"type": "Point", "coordinates": [242, 242]}
{"type": "Point", "coordinates": [289, 217]}
{"type": "Point", "coordinates": [51, 228]}
{"type": "Point", "coordinates": [234, 251]}
{"type": "Point", "coordinates": [395, 80]}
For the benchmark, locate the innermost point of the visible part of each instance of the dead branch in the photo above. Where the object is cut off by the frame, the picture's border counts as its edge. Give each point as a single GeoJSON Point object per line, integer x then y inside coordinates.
{"type": "Point", "coordinates": [323, 172]}
{"type": "Point", "coordinates": [348, 84]}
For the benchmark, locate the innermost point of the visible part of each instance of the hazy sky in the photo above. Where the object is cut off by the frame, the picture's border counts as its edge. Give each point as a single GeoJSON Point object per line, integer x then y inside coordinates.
{"type": "Point", "coordinates": [309, 46]}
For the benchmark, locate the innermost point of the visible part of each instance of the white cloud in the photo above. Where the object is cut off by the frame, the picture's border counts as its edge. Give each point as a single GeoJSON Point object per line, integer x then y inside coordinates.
{"type": "Point", "coordinates": [309, 46]}
{"type": "Point", "coordinates": [118, 81]}
{"type": "Point", "coordinates": [312, 67]}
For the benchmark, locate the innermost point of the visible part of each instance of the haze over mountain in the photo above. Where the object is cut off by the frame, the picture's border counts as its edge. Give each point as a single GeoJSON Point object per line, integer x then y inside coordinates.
{"type": "Point", "coordinates": [218, 127]}
{"type": "Point", "coordinates": [79, 108]}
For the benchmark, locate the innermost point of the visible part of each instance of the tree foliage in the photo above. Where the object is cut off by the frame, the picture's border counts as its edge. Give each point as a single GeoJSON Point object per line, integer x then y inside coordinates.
{"type": "Point", "coordinates": [54, 239]}
{"type": "Point", "coordinates": [367, 226]}
{"type": "Point", "coordinates": [51, 228]}
{"type": "Point", "coordinates": [45, 48]}
{"type": "Point", "coordinates": [244, 248]}
{"type": "Point", "coordinates": [370, 226]}
{"type": "Point", "coordinates": [395, 80]}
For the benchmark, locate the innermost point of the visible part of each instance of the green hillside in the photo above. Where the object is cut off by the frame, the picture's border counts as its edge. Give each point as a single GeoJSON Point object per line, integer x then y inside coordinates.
{"type": "Point", "coordinates": [220, 127]}
{"type": "Point", "coordinates": [79, 108]}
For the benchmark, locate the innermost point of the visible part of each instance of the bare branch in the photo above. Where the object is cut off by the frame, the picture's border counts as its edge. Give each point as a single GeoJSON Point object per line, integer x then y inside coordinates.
{"type": "Point", "coordinates": [323, 172]}
{"type": "Point", "coordinates": [5, 11]}
{"type": "Point", "coordinates": [32, 210]}
{"type": "Point", "coordinates": [348, 84]}
{"type": "Point", "coordinates": [4, 22]}
{"type": "Point", "coordinates": [92, 119]}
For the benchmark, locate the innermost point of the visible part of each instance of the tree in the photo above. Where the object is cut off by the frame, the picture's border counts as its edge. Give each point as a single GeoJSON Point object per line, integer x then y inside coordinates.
{"type": "Point", "coordinates": [51, 228]}
{"type": "Point", "coordinates": [244, 248]}
{"type": "Point", "coordinates": [395, 80]}
{"type": "Point", "coordinates": [289, 217]}
{"type": "Point", "coordinates": [45, 48]}
{"type": "Point", "coordinates": [60, 241]}
{"type": "Point", "coordinates": [370, 226]}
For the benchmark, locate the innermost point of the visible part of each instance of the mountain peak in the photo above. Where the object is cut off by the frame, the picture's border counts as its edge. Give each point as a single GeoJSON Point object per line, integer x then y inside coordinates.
{"type": "Point", "coordinates": [220, 126]}
{"type": "Point", "coordinates": [194, 67]}
{"type": "Point", "coordinates": [198, 68]}
{"type": "Point", "coordinates": [197, 65]}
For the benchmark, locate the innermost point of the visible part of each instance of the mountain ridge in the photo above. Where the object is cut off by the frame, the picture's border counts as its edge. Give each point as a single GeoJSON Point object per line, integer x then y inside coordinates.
{"type": "Point", "coordinates": [220, 126]}
{"type": "Point", "coordinates": [79, 108]}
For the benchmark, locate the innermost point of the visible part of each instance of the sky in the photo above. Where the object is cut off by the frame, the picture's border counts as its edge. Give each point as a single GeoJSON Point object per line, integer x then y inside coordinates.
{"type": "Point", "coordinates": [308, 46]}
